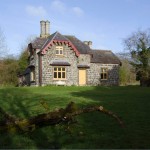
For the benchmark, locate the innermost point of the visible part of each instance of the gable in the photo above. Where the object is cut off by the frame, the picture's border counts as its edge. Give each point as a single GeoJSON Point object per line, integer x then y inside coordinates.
{"type": "Point", "coordinates": [75, 44]}
{"type": "Point", "coordinates": [45, 43]}
{"type": "Point", "coordinates": [59, 42]}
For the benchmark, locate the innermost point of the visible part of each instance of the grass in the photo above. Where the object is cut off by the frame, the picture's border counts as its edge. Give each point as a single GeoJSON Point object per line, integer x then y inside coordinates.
{"type": "Point", "coordinates": [93, 130]}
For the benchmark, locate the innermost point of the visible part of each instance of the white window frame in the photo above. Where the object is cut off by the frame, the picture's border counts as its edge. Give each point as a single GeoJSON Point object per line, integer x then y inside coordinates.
{"type": "Point", "coordinates": [59, 50]}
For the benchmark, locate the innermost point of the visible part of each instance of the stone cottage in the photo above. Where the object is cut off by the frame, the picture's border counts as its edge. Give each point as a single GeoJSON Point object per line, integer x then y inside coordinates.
{"type": "Point", "coordinates": [56, 59]}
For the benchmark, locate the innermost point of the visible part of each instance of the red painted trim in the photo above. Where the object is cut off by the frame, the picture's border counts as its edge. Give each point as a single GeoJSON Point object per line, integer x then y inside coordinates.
{"type": "Point", "coordinates": [45, 49]}
{"type": "Point", "coordinates": [40, 69]}
{"type": "Point", "coordinates": [60, 42]}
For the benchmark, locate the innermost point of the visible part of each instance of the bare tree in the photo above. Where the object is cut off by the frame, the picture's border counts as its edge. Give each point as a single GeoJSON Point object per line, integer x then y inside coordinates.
{"type": "Point", "coordinates": [3, 46]}
{"type": "Point", "coordinates": [138, 43]}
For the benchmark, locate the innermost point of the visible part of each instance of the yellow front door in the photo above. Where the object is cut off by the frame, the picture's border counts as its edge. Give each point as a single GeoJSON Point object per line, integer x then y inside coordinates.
{"type": "Point", "coordinates": [82, 76]}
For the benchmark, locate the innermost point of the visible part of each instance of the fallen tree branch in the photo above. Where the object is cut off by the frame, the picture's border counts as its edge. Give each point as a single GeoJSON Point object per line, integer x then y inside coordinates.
{"type": "Point", "coordinates": [7, 118]}
{"type": "Point", "coordinates": [52, 118]}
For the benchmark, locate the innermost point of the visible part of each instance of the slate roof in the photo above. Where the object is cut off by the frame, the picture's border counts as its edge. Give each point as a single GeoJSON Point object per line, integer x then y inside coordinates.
{"type": "Point", "coordinates": [59, 63]}
{"type": "Point", "coordinates": [41, 43]}
{"type": "Point", "coordinates": [38, 43]}
{"type": "Point", "coordinates": [83, 66]}
{"type": "Point", "coordinates": [97, 56]}
{"type": "Point", "coordinates": [104, 57]}
{"type": "Point", "coordinates": [80, 46]}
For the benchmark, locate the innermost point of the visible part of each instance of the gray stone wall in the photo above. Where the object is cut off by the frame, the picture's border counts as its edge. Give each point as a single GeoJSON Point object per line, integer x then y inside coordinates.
{"type": "Point", "coordinates": [94, 74]}
{"type": "Point", "coordinates": [84, 59]}
{"type": "Point", "coordinates": [71, 71]}
{"type": "Point", "coordinates": [34, 60]}
{"type": "Point", "coordinates": [36, 69]}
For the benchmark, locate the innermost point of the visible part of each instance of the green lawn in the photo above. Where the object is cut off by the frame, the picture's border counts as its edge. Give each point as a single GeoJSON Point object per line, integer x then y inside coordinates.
{"type": "Point", "coordinates": [93, 130]}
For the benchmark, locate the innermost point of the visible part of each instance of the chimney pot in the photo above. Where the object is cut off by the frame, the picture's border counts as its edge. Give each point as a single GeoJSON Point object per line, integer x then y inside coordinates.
{"type": "Point", "coordinates": [89, 43]}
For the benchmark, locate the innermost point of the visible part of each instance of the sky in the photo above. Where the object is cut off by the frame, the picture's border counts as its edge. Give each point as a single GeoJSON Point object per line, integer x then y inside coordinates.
{"type": "Point", "coordinates": [104, 22]}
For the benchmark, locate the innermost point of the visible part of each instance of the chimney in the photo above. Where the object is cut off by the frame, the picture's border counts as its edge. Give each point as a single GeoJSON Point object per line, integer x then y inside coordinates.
{"type": "Point", "coordinates": [85, 42]}
{"type": "Point", "coordinates": [45, 26]}
{"type": "Point", "coordinates": [89, 43]}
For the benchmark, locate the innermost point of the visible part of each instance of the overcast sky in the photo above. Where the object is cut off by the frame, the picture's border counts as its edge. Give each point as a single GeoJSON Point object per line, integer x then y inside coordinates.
{"type": "Point", "coordinates": [104, 22]}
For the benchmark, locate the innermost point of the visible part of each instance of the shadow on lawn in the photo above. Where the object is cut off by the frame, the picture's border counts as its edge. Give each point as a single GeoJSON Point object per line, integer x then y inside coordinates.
{"type": "Point", "coordinates": [19, 102]}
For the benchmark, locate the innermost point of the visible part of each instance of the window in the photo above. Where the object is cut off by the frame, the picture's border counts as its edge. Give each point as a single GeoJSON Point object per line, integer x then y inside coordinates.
{"type": "Point", "coordinates": [59, 73]}
{"type": "Point", "coordinates": [104, 73]}
{"type": "Point", "coordinates": [32, 75]}
{"type": "Point", "coordinates": [59, 50]}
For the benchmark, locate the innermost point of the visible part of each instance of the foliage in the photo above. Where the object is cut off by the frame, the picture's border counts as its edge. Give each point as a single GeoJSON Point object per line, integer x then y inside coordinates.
{"type": "Point", "coordinates": [10, 66]}
{"type": "Point", "coordinates": [93, 131]}
{"type": "Point", "coordinates": [23, 58]}
{"type": "Point", "coordinates": [139, 46]}
{"type": "Point", "coordinates": [8, 71]}
{"type": "Point", "coordinates": [23, 61]}
{"type": "Point", "coordinates": [127, 74]}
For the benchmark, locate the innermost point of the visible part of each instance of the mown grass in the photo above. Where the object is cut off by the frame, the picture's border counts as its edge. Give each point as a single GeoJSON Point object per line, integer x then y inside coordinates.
{"type": "Point", "coordinates": [93, 130]}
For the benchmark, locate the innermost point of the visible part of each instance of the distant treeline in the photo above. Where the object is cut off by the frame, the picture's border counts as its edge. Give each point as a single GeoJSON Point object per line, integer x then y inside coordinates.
{"type": "Point", "coordinates": [10, 67]}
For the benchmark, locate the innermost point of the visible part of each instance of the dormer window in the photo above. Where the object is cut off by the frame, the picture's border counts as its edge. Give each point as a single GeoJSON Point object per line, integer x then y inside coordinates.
{"type": "Point", "coordinates": [59, 50]}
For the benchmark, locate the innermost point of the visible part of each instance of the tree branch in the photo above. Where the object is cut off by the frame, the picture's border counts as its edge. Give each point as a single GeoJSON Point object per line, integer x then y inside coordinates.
{"type": "Point", "coordinates": [53, 118]}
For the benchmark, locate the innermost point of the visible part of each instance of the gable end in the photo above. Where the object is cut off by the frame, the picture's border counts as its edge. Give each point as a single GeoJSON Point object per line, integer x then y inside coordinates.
{"type": "Point", "coordinates": [44, 50]}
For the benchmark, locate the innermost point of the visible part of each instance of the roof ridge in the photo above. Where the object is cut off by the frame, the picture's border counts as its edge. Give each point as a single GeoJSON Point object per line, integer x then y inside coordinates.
{"type": "Point", "coordinates": [63, 36]}
{"type": "Point", "coordinates": [44, 44]}
{"type": "Point", "coordinates": [101, 50]}
{"type": "Point", "coordinates": [70, 35]}
{"type": "Point", "coordinates": [54, 34]}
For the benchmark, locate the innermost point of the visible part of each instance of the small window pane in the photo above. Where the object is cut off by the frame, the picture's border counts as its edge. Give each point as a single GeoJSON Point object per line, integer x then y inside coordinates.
{"type": "Point", "coordinates": [61, 52]}
{"type": "Point", "coordinates": [63, 74]}
{"type": "Point", "coordinates": [57, 51]}
{"type": "Point", "coordinates": [55, 74]}
{"type": "Point", "coordinates": [55, 69]}
{"type": "Point", "coordinates": [59, 69]}
{"type": "Point", "coordinates": [105, 76]}
{"type": "Point", "coordinates": [63, 69]}
{"type": "Point", "coordinates": [59, 74]}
